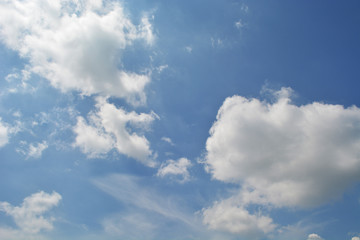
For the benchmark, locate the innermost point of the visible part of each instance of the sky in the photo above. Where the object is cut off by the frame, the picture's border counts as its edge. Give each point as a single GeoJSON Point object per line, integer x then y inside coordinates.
{"type": "Point", "coordinates": [221, 120]}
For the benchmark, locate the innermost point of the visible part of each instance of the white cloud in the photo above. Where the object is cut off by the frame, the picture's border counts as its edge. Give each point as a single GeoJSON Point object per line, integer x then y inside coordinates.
{"type": "Point", "coordinates": [92, 141]}
{"type": "Point", "coordinates": [32, 150]}
{"type": "Point", "coordinates": [240, 24]}
{"type": "Point", "coordinates": [314, 236]}
{"type": "Point", "coordinates": [355, 238]}
{"type": "Point", "coordinates": [4, 137]}
{"type": "Point", "coordinates": [228, 216]}
{"type": "Point", "coordinates": [188, 49]}
{"type": "Point", "coordinates": [283, 155]}
{"type": "Point", "coordinates": [161, 68]}
{"type": "Point", "coordinates": [76, 45]}
{"type": "Point", "coordinates": [245, 8]}
{"type": "Point", "coordinates": [168, 140]}
{"type": "Point", "coordinates": [29, 217]}
{"type": "Point", "coordinates": [35, 150]}
{"type": "Point", "coordinates": [287, 155]}
{"type": "Point", "coordinates": [113, 128]}
{"type": "Point", "coordinates": [172, 167]}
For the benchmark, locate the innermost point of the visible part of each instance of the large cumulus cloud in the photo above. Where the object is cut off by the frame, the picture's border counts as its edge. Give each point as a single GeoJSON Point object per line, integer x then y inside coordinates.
{"type": "Point", "coordinates": [76, 45]}
{"type": "Point", "coordinates": [284, 155]}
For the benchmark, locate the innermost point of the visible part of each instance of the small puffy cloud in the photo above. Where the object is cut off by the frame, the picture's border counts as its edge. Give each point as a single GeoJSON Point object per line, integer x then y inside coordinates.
{"type": "Point", "coordinates": [228, 216]}
{"type": "Point", "coordinates": [4, 134]}
{"type": "Point", "coordinates": [29, 217]}
{"type": "Point", "coordinates": [172, 167]}
{"type": "Point", "coordinates": [88, 61]}
{"type": "Point", "coordinates": [284, 154]}
{"type": "Point", "coordinates": [355, 238]}
{"type": "Point", "coordinates": [314, 236]}
{"type": "Point", "coordinates": [113, 128]}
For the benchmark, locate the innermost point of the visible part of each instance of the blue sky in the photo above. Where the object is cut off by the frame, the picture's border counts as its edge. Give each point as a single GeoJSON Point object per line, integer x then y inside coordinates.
{"type": "Point", "coordinates": [179, 120]}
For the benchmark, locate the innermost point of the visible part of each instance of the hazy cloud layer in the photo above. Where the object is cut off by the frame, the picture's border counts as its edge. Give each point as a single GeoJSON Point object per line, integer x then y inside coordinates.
{"type": "Point", "coordinates": [88, 61]}
{"type": "Point", "coordinates": [281, 154]}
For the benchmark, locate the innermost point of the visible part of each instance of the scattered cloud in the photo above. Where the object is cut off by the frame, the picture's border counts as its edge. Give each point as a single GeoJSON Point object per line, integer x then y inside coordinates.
{"type": "Point", "coordinates": [114, 128]}
{"type": "Point", "coordinates": [32, 150]}
{"type": "Point", "coordinates": [88, 61]}
{"type": "Point", "coordinates": [229, 216]}
{"type": "Point", "coordinates": [172, 167]}
{"type": "Point", "coordinates": [216, 42]}
{"type": "Point", "coordinates": [240, 24]}
{"type": "Point", "coordinates": [29, 217]}
{"type": "Point", "coordinates": [314, 236]}
{"type": "Point", "coordinates": [245, 8]}
{"type": "Point", "coordinates": [284, 155]}
{"type": "Point", "coordinates": [161, 68]}
{"type": "Point", "coordinates": [188, 49]}
{"type": "Point", "coordinates": [35, 150]}
{"type": "Point", "coordinates": [168, 140]}
{"type": "Point", "coordinates": [4, 134]}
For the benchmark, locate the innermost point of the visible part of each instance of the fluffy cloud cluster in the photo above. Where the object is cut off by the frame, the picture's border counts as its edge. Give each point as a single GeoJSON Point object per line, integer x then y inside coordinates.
{"type": "Point", "coordinates": [29, 217]}
{"type": "Point", "coordinates": [76, 45]}
{"type": "Point", "coordinates": [3, 134]}
{"type": "Point", "coordinates": [172, 167]}
{"type": "Point", "coordinates": [111, 128]}
{"type": "Point", "coordinates": [281, 154]}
